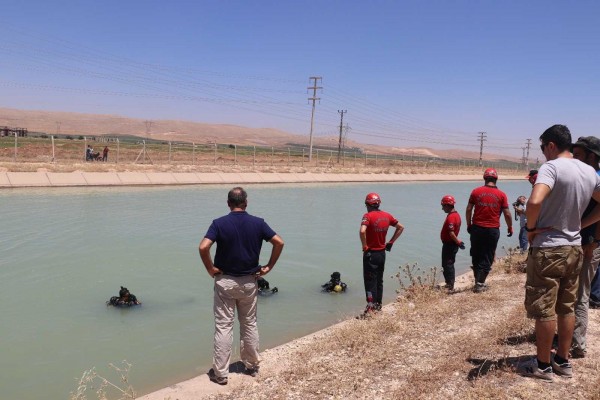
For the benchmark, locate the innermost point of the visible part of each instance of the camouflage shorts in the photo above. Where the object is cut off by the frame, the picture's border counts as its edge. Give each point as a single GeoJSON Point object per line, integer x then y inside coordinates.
{"type": "Point", "coordinates": [552, 281]}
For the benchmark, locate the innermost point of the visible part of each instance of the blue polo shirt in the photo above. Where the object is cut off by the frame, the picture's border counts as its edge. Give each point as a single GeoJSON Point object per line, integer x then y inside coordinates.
{"type": "Point", "coordinates": [239, 238]}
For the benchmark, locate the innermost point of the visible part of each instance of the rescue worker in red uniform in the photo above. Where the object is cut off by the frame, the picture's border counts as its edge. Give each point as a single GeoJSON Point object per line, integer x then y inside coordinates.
{"type": "Point", "coordinates": [373, 232]}
{"type": "Point", "coordinates": [486, 204]}
{"type": "Point", "coordinates": [450, 241]}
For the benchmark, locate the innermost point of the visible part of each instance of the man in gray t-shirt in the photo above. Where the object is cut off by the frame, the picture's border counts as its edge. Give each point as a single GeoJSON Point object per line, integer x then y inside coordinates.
{"type": "Point", "coordinates": [559, 197]}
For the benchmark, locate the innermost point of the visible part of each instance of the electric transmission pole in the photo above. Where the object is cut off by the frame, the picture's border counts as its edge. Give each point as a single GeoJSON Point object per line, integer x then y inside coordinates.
{"type": "Point", "coordinates": [314, 98]}
{"type": "Point", "coordinates": [341, 112]}
{"type": "Point", "coordinates": [527, 157]}
{"type": "Point", "coordinates": [523, 158]}
{"type": "Point", "coordinates": [482, 138]}
{"type": "Point", "coordinates": [148, 128]}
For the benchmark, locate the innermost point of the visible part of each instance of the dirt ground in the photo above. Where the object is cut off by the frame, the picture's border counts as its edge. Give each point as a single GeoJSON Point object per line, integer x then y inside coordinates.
{"type": "Point", "coordinates": [427, 345]}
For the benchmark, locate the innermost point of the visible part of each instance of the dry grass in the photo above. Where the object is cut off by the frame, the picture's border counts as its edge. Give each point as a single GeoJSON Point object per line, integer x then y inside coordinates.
{"type": "Point", "coordinates": [427, 345]}
{"type": "Point", "coordinates": [103, 389]}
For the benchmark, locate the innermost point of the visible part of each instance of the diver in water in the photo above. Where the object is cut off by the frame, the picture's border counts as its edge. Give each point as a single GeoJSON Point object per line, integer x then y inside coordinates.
{"type": "Point", "coordinates": [335, 284]}
{"type": "Point", "coordinates": [125, 299]}
{"type": "Point", "coordinates": [264, 287]}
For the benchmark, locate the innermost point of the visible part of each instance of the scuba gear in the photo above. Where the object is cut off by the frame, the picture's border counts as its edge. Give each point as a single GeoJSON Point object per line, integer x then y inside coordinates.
{"type": "Point", "coordinates": [335, 284]}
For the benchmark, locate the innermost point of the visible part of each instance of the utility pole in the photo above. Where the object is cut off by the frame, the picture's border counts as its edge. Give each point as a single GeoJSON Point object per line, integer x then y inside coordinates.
{"type": "Point", "coordinates": [528, 144]}
{"type": "Point", "coordinates": [346, 129]}
{"type": "Point", "coordinates": [482, 138]}
{"type": "Point", "coordinates": [341, 112]}
{"type": "Point", "coordinates": [314, 98]}
{"type": "Point", "coordinates": [523, 158]}
{"type": "Point", "coordinates": [148, 128]}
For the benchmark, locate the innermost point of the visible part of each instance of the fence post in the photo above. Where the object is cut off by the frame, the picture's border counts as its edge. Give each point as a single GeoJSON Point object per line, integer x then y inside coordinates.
{"type": "Point", "coordinates": [354, 159]}
{"type": "Point", "coordinates": [254, 157]}
{"type": "Point", "coordinates": [289, 154]}
{"type": "Point", "coordinates": [235, 154]}
{"type": "Point", "coordinates": [144, 158]}
{"type": "Point", "coordinates": [85, 148]}
{"type": "Point", "coordinates": [303, 157]}
{"type": "Point", "coordinates": [317, 157]}
{"type": "Point", "coordinates": [118, 148]}
{"type": "Point", "coordinates": [193, 153]}
{"type": "Point", "coordinates": [15, 147]}
{"type": "Point", "coordinates": [272, 155]}
{"type": "Point", "coordinates": [52, 147]}
{"type": "Point", "coordinates": [215, 163]}
{"type": "Point", "coordinates": [365, 158]}
{"type": "Point", "coordinates": [375, 159]}
{"type": "Point", "coordinates": [169, 152]}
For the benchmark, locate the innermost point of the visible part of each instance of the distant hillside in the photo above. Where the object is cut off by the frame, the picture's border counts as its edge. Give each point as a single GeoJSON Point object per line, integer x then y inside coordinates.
{"type": "Point", "coordinates": [53, 122]}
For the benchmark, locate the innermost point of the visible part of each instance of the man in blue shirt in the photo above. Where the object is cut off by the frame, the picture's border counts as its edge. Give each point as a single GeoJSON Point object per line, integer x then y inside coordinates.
{"type": "Point", "coordinates": [236, 268]}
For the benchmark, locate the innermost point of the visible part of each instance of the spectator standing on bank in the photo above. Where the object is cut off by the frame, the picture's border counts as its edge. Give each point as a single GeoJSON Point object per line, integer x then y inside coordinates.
{"type": "Point", "coordinates": [105, 154]}
{"type": "Point", "coordinates": [235, 270]}
{"type": "Point", "coordinates": [519, 207]}
{"type": "Point", "coordinates": [532, 176]}
{"type": "Point", "coordinates": [450, 241]}
{"type": "Point", "coordinates": [559, 197]}
{"type": "Point", "coordinates": [486, 204]}
{"type": "Point", "coordinates": [586, 150]}
{"type": "Point", "coordinates": [373, 232]}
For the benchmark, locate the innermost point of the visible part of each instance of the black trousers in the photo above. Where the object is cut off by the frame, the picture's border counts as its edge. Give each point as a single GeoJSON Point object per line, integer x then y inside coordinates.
{"type": "Point", "coordinates": [449, 250]}
{"type": "Point", "coordinates": [483, 250]}
{"type": "Point", "coordinates": [373, 266]}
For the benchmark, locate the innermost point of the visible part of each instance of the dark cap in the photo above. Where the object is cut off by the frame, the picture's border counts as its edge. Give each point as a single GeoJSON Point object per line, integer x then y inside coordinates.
{"type": "Point", "coordinates": [532, 173]}
{"type": "Point", "coordinates": [590, 143]}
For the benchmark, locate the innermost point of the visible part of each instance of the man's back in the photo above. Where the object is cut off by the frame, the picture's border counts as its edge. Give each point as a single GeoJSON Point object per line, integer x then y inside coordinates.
{"type": "Point", "coordinates": [239, 238]}
{"type": "Point", "coordinates": [572, 184]}
{"type": "Point", "coordinates": [489, 202]}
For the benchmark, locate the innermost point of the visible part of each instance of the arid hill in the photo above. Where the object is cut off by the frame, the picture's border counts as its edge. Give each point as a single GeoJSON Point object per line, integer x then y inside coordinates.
{"type": "Point", "coordinates": [54, 122]}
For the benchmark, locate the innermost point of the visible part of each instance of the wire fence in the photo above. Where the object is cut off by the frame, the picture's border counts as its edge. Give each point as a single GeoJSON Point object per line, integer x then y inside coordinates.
{"type": "Point", "coordinates": [66, 149]}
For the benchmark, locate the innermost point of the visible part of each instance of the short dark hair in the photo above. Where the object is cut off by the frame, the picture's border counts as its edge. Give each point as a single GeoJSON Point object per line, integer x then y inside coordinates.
{"type": "Point", "coordinates": [560, 135]}
{"type": "Point", "coordinates": [237, 197]}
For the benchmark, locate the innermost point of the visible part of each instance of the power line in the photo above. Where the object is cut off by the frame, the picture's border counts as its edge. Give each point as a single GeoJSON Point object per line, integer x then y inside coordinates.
{"type": "Point", "coordinates": [341, 112]}
{"type": "Point", "coordinates": [482, 138]}
{"type": "Point", "coordinates": [314, 98]}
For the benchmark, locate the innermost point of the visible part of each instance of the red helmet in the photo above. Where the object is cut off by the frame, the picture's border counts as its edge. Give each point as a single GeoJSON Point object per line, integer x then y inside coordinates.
{"type": "Point", "coordinates": [373, 199]}
{"type": "Point", "coordinates": [448, 200]}
{"type": "Point", "coordinates": [490, 173]}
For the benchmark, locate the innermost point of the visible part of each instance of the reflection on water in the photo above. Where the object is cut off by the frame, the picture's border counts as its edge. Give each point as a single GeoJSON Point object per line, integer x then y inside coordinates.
{"type": "Point", "coordinates": [64, 252]}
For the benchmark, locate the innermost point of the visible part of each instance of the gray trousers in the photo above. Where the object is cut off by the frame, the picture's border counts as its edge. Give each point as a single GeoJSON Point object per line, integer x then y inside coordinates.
{"type": "Point", "coordinates": [588, 270]}
{"type": "Point", "coordinates": [231, 293]}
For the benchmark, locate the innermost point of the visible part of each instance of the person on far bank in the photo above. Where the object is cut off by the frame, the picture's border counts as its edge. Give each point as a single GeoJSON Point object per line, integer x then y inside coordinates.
{"type": "Point", "coordinates": [105, 154]}
{"type": "Point", "coordinates": [373, 232]}
{"type": "Point", "coordinates": [486, 204]}
{"type": "Point", "coordinates": [519, 208]}
{"type": "Point", "coordinates": [235, 270]}
{"type": "Point", "coordinates": [559, 197]}
{"type": "Point", "coordinates": [450, 241]}
{"type": "Point", "coordinates": [586, 150]}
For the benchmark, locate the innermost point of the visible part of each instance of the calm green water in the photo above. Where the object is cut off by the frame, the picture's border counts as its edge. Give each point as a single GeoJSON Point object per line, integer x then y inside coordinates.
{"type": "Point", "coordinates": [64, 252]}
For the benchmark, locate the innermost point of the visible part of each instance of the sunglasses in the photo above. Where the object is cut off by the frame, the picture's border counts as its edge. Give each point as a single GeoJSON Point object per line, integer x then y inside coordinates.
{"type": "Point", "coordinates": [543, 146]}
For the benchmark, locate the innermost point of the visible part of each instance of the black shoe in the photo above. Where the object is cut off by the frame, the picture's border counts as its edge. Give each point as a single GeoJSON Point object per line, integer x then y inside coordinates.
{"type": "Point", "coordinates": [594, 304]}
{"type": "Point", "coordinates": [220, 380]}
{"type": "Point", "coordinates": [251, 371]}
{"type": "Point", "coordinates": [480, 287]}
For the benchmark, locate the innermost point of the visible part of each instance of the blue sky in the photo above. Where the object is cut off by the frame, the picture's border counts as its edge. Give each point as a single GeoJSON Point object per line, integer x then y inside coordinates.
{"type": "Point", "coordinates": [418, 73]}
